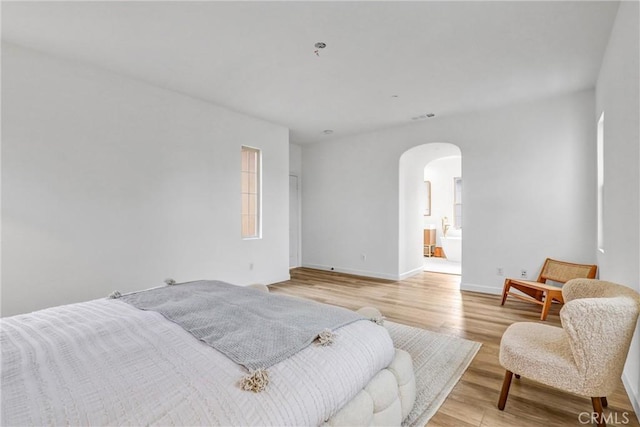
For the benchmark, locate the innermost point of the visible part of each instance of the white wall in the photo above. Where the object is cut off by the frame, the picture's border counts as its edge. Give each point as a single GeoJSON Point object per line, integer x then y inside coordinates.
{"type": "Point", "coordinates": [350, 208]}
{"type": "Point", "coordinates": [618, 95]}
{"type": "Point", "coordinates": [440, 173]}
{"type": "Point", "coordinates": [529, 174]}
{"type": "Point", "coordinates": [109, 183]}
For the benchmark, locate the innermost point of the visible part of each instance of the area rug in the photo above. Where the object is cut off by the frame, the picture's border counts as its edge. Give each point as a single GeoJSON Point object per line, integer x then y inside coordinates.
{"type": "Point", "coordinates": [438, 360]}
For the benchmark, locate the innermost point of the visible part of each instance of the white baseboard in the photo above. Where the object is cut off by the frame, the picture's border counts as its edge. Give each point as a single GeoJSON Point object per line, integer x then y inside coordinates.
{"type": "Point", "coordinates": [633, 394]}
{"type": "Point", "coordinates": [480, 288]}
{"type": "Point", "coordinates": [411, 273]}
{"type": "Point", "coordinates": [274, 279]}
{"type": "Point", "coordinates": [364, 273]}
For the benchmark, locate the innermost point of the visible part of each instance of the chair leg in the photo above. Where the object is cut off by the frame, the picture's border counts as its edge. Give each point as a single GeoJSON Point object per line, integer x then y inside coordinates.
{"type": "Point", "coordinates": [505, 390]}
{"type": "Point", "coordinates": [604, 402]}
{"type": "Point", "coordinates": [546, 306]}
{"type": "Point", "coordinates": [505, 290]}
{"type": "Point", "coordinates": [597, 409]}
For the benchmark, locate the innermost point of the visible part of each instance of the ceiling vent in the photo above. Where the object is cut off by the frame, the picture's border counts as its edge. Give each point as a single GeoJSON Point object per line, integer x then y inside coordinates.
{"type": "Point", "coordinates": [424, 116]}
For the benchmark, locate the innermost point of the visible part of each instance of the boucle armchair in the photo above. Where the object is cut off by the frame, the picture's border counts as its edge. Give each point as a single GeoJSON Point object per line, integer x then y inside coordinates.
{"type": "Point", "coordinates": [587, 354]}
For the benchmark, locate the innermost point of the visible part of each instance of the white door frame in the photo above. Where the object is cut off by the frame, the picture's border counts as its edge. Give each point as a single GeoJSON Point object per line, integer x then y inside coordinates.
{"type": "Point", "coordinates": [299, 221]}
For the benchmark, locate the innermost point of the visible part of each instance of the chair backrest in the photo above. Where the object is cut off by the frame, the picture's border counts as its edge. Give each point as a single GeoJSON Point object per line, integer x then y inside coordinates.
{"type": "Point", "coordinates": [561, 271]}
{"type": "Point", "coordinates": [599, 318]}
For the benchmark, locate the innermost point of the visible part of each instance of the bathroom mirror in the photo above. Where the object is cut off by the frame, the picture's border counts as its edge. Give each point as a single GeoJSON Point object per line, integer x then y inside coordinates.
{"type": "Point", "coordinates": [457, 202]}
{"type": "Point", "coordinates": [427, 208]}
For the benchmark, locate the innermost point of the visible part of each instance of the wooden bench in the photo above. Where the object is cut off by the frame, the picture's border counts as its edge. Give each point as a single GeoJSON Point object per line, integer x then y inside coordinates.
{"type": "Point", "coordinates": [542, 293]}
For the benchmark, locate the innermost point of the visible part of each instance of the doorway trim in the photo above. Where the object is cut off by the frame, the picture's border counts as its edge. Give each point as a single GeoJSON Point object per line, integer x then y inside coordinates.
{"type": "Point", "coordinates": [298, 221]}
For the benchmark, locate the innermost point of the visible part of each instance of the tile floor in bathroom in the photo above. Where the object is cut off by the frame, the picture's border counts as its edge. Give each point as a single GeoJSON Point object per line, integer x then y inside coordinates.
{"type": "Point", "coordinates": [442, 265]}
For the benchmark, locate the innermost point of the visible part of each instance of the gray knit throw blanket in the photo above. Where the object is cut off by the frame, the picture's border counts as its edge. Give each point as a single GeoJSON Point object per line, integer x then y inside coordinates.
{"type": "Point", "coordinates": [253, 328]}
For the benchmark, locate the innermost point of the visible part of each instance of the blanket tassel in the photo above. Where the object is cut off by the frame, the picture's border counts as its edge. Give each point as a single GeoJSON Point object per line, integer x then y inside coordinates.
{"type": "Point", "coordinates": [256, 381]}
{"type": "Point", "coordinates": [378, 320]}
{"type": "Point", "coordinates": [326, 337]}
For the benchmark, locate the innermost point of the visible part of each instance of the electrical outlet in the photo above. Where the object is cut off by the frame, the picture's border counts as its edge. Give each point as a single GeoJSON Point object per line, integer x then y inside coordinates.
{"type": "Point", "coordinates": [523, 274]}
{"type": "Point", "coordinates": [499, 271]}
{"type": "Point", "coordinates": [250, 266]}
{"type": "Point", "coordinates": [364, 257]}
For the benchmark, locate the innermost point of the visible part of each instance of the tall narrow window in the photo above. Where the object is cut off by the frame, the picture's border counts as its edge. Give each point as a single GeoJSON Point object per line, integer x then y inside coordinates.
{"type": "Point", "coordinates": [457, 202]}
{"type": "Point", "coordinates": [251, 203]}
{"type": "Point", "coordinates": [600, 154]}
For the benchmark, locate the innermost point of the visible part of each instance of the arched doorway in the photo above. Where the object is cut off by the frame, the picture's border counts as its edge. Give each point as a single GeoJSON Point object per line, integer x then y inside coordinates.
{"type": "Point", "coordinates": [413, 202]}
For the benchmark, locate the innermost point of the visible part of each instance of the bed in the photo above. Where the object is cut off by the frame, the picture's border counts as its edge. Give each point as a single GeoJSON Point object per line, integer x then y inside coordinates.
{"type": "Point", "coordinates": [106, 362]}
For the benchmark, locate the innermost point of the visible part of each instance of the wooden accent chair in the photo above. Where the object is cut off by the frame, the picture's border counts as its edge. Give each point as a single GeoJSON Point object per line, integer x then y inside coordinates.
{"type": "Point", "coordinates": [541, 293]}
{"type": "Point", "coordinates": [587, 354]}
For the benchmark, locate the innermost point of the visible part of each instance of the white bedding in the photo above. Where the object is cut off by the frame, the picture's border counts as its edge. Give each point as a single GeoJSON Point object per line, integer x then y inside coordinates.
{"type": "Point", "coordinates": [104, 362]}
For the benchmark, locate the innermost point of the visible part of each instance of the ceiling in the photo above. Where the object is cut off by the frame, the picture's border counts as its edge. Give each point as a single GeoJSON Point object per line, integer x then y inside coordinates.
{"type": "Point", "coordinates": [385, 62]}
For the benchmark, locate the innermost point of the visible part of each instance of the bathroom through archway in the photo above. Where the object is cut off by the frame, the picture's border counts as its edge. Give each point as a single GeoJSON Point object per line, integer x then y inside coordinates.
{"type": "Point", "coordinates": [442, 219]}
{"type": "Point", "coordinates": [415, 216]}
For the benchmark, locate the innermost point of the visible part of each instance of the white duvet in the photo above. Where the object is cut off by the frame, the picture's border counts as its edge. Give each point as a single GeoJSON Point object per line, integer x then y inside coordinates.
{"type": "Point", "coordinates": [104, 362]}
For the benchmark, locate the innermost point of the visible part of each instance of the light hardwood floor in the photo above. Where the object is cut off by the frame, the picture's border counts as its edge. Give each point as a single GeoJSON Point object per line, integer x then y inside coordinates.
{"type": "Point", "coordinates": [433, 301]}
